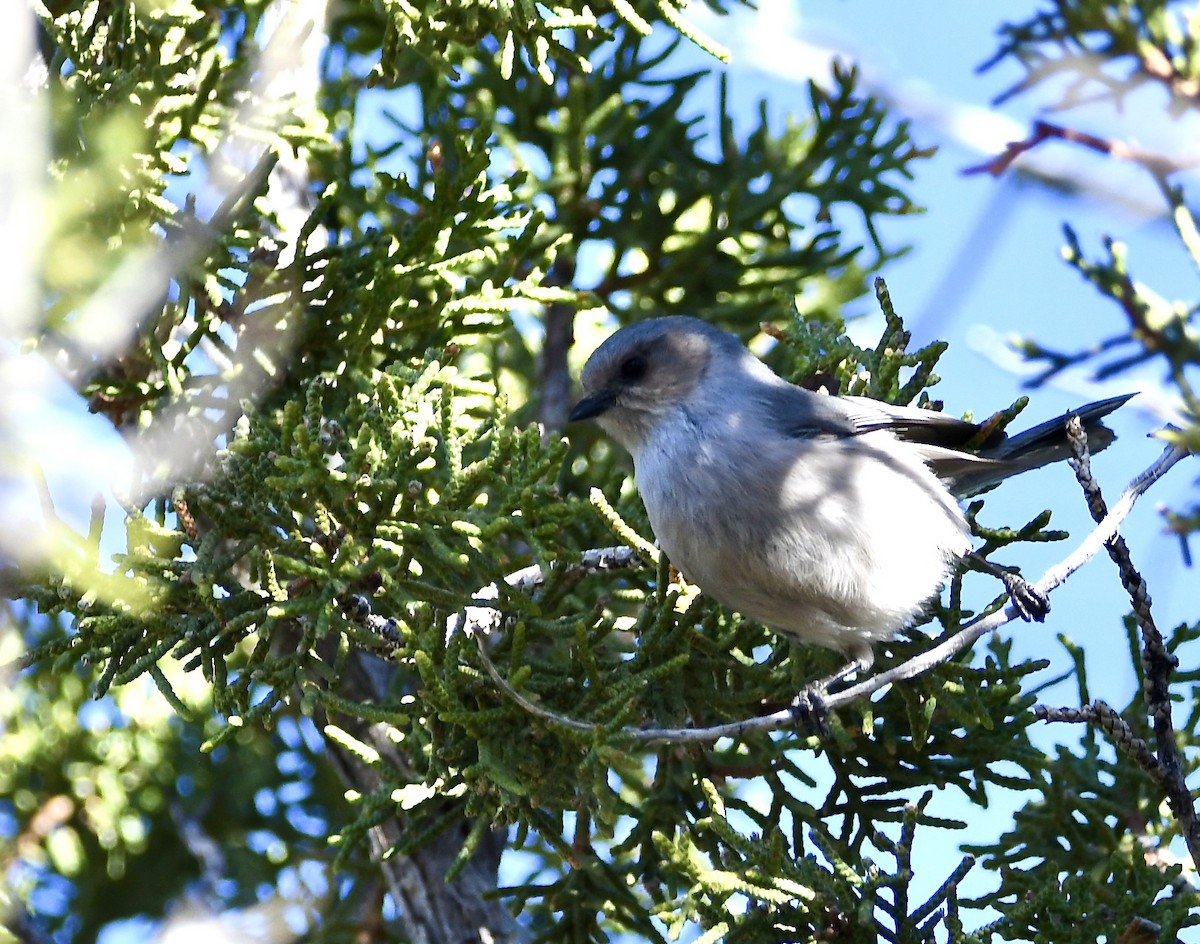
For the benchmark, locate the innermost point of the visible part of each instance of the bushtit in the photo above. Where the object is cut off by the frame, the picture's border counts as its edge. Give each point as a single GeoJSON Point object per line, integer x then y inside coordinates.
{"type": "Point", "coordinates": [831, 519]}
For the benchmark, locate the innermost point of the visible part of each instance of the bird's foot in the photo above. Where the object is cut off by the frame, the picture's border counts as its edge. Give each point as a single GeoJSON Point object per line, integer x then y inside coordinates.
{"type": "Point", "coordinates": [810, 706]}
{"type": "Point", "coordinates": [1031, 604]}
{"type": "Point", "coordinates": [810, 709]}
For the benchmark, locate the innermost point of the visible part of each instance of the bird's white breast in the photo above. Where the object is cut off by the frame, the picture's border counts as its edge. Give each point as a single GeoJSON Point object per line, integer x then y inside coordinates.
{"type": "Point", "coordinates": [836, 541]}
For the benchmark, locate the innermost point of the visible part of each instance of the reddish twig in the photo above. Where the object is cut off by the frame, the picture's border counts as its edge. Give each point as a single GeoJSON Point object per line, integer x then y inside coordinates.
{"type": "Point", "coordinates": [1158, 164]}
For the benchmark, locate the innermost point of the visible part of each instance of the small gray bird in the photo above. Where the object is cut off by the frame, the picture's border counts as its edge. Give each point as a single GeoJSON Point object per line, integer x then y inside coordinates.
{"type": "Point", "coordinates": [832, 520]}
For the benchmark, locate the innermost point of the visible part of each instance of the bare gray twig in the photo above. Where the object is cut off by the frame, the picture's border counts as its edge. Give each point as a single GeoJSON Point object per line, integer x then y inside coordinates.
{"type": "Point", "coordinates": [1157, 663]}
{"type": "Point", "coordinates": [1100, 715]}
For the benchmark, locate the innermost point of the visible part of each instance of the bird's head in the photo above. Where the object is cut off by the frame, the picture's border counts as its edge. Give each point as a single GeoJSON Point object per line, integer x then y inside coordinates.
{"type": "Point", "coordinates": [647, 371]}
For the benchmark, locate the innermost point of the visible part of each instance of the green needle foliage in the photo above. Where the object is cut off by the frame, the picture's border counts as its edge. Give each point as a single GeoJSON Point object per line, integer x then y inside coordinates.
{"type": "Point", "coordinates": [337, 331]}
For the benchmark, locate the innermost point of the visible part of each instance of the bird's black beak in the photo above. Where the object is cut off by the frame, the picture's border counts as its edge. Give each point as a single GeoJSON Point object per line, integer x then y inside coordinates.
{"type": "Point", "coordinates": [592, 405]}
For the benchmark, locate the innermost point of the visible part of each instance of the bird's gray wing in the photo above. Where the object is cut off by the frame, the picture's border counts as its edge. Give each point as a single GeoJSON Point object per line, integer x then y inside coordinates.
{"type": "Point", "coordinates": [800, 413]}
{"type": "Point", "coordinates": [938, 438]}
{"type": "Point", "coordinates": [795, 413]}
{"type": "Point", "coordinates": [916, 425]}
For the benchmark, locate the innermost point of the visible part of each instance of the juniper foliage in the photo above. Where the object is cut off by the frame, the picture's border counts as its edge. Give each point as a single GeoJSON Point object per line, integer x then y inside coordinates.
{"type": "Point", "coordinates": [351, 308]}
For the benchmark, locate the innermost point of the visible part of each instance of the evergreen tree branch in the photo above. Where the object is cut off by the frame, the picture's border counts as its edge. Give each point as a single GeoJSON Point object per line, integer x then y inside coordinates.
{"type": "Point", "coordinates": [433, 908]}
{"type": "Point", "coordinates": [483, 619]}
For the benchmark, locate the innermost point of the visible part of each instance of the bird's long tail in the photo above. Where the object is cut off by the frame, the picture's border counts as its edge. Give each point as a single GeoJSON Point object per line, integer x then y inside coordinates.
{"type": "Point", "coordinates": [1039, 446]}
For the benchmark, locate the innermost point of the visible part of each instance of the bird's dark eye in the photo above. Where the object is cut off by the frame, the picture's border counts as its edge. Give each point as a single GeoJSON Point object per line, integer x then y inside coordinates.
{"type": "Point", "coordinates": [633, 368]}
